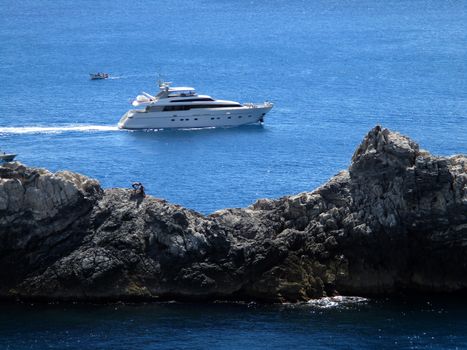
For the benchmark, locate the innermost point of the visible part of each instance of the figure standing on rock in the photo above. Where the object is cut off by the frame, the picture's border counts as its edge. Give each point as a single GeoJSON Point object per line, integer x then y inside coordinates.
{"type": "Point", "coordinates": [138, 188]}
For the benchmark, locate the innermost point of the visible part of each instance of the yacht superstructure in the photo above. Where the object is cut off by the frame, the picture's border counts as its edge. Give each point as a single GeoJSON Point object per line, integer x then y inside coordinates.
{"type": "Point", "coordinates": [182, 107]}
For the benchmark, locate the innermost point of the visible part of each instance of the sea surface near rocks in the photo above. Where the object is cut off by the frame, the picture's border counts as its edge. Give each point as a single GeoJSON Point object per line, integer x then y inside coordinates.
{"type": "Point", "coordinates": [333, 70]}
{"type": "Point", "coordinates": [349, 324]}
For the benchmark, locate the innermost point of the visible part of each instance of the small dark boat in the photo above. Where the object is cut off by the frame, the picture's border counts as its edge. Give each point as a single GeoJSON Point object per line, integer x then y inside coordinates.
{"type": "Point", "coordinates": [98, 76]}
{"type": "Point", "coordinates": [7, 157]}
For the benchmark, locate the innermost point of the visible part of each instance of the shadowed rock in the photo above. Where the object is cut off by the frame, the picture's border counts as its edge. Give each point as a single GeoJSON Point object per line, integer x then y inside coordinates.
{"type": "Point", "coordinates": [395, 221]}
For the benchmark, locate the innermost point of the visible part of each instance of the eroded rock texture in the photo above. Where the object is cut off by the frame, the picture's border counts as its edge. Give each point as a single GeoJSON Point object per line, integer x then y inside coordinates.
{"type": "Point", "coordinates": [395, 221]}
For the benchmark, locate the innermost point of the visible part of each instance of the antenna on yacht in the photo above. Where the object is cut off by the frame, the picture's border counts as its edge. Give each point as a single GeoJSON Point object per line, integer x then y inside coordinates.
{"type": "Point", "coordinates": [163, 85]}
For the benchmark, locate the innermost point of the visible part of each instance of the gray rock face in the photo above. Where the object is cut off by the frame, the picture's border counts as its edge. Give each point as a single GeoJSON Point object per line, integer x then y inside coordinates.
{"type": "Point", "coordinates": [395, 221]}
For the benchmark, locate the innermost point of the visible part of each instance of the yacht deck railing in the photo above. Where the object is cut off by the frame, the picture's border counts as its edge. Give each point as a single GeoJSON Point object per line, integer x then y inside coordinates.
{"type": "Point", "coordinates": [258, 105]}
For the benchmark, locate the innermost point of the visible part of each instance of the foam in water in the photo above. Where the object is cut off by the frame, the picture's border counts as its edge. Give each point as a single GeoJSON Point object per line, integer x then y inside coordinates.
{"type": "Point", "coordinates": [336, 301]}
{"type": "Point", "coordinates": [55, 129]}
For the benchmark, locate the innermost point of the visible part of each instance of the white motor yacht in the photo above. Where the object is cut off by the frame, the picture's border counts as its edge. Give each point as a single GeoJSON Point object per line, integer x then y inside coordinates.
{"type": "Point", "coordinates": [182, 107]}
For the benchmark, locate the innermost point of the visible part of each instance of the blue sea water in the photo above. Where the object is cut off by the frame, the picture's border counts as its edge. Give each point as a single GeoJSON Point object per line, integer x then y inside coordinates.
{"type": "Point", "coordinates": [409, 324]}
{"type": "Point", "coordinates": [334, 69]}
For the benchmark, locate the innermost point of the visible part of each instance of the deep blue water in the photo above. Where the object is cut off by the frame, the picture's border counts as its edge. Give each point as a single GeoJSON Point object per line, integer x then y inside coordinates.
{"type": "Point", "coordinates": [334, 69]}
{"type": "Point", "coordinates": [411, 324]}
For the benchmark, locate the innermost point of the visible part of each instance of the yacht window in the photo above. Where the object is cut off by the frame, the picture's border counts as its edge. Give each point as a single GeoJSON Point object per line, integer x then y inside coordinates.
{"type": "Point", "coordinates": [196, 118]}
{"type": "Point", "coordinates": [187, 107]}
{"type": "Point", "coordinates": [176, 108]}
{"type": "Point", "coordinates": [194, 99]}
{"type": "Point", "coordinates": [216, 106]}
{"type": "Point", "coordinates": [152, 109]}
{"type": "Point", "coordinates": [181, 94]}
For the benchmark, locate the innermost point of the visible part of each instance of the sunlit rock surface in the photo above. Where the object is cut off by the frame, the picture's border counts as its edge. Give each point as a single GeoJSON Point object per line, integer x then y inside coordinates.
{"type": "Point", "coordinates": [396, 221]}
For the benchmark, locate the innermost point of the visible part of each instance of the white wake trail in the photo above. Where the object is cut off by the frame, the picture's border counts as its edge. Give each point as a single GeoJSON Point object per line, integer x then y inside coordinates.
{"type": "Point", "coordinates": [56, 129]}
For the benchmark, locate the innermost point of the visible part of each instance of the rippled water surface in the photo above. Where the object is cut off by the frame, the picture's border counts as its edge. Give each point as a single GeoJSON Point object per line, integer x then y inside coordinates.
{"type": "Point", "coordinates": [334, 69]}
{"type": "Point", "coordinates": [346, 324]}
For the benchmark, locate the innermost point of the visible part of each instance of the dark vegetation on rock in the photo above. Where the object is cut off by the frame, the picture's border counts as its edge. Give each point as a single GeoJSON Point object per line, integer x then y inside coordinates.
{"type": "Point", "coordinates": [396, 221]}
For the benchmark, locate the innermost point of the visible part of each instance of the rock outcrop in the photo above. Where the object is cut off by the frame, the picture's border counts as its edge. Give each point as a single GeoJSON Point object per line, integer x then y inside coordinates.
{"type": "Point", "coordinates": [396, 221]}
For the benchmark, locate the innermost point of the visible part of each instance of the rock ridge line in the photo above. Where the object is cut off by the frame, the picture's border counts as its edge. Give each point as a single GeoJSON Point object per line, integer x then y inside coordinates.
{"type": "Point", "coordinates": [394, 222]}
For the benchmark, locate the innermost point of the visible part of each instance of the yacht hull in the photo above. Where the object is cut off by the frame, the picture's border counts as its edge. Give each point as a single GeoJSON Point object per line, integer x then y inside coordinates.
{"type": "Point", "coordinates": [218, 117]}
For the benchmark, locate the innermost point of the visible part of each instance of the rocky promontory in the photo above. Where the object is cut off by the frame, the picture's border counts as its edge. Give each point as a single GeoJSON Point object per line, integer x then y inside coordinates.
{"type": "Point", "coordinates": [395, 221]}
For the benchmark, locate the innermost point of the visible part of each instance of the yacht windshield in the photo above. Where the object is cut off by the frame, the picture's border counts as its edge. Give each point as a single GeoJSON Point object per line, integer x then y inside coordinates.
{"type": "Point", "coordinates": [182, 93]}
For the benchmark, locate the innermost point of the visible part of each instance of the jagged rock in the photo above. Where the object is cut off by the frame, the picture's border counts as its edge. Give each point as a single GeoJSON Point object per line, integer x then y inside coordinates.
{"type": "Point", "coordinates": [395, 221]}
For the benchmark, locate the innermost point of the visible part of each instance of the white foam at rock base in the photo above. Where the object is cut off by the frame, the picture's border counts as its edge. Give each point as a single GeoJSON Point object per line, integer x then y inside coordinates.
{"type": "Point", "coordinates": [336, 301]}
